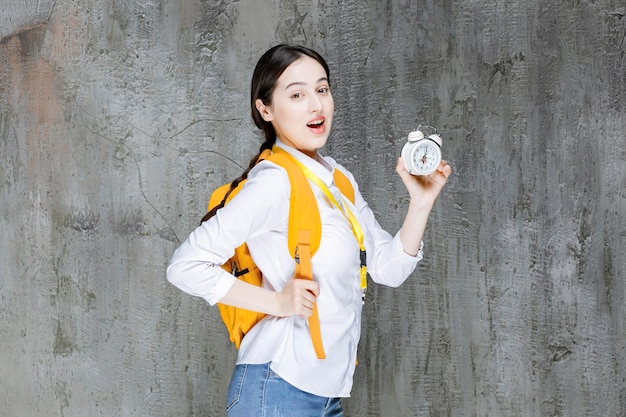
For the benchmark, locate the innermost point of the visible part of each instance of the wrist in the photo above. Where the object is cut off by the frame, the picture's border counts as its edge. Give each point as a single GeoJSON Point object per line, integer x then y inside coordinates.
{"type": "Point", "coordinates": [275, 304]}
{"type": "Point", "coordinates": [420, 204]}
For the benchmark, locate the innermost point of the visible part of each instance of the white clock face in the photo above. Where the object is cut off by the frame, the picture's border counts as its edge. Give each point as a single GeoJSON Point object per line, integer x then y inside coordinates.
{"type": "Point", "coordinates": [426, 157]}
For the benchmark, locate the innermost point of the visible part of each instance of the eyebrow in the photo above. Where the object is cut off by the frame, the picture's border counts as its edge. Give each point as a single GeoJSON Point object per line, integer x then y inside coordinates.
{"type": "Point", "coordinates": [303, 83]}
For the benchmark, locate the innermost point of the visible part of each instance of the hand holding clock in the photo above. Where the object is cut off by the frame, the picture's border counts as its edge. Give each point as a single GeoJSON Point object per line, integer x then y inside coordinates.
{"type": "Point", "coordinates": [424, 188]}
{"type": "Point", "coordinates": [424, 173]}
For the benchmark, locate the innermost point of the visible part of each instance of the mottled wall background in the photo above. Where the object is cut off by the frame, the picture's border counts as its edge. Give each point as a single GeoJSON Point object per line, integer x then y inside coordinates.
{"type": "Point", "coordinates": [118, 117]}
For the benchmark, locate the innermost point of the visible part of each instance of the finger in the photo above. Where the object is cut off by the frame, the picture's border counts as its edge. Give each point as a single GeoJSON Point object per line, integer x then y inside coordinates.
{"type": "Point", "coordinates": [400, 164]}
{"type": "Point", "coordinates": [315, 290]}
{"type": "Point", "coordinates": [312, 287]}
{"type": "Point", "coordinates": [445, 168]}
{"type": "Point", "coordinates": [304, 308]}
{"type": "Point", "coordinates": [401, 168]}
{"type": "Point", "coordinates": [310, 296]}
{"type": "Point", "coordinates": [406, 177]}
{"type": "Point", "coordinates": [306, 297]}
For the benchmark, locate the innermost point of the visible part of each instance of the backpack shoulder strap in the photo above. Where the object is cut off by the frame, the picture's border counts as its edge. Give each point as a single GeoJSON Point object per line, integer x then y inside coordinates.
{"type": "Point", "coordinates": [303, 209]}
{"type": "Point", "coordinates": [343, 183]}
{"type": "Point", "coordinates": [304, 234]}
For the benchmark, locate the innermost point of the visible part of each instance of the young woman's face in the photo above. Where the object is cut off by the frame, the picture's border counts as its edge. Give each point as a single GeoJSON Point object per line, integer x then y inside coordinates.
{"type": "Point", "coordinates": [302, 106]}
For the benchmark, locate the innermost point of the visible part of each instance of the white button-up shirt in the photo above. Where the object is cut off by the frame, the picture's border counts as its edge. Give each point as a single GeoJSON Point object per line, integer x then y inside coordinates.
{"type": "Point", "coordinates": [258, 215]}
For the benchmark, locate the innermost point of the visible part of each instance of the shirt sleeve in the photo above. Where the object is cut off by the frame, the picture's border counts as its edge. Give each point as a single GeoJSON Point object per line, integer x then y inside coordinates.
{"type": "Point", "coordinates": [256, 209]}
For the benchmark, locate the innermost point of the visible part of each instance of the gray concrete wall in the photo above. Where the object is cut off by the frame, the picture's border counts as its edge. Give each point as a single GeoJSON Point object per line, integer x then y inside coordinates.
{"type": "Point", "coordinates": [117, 118]}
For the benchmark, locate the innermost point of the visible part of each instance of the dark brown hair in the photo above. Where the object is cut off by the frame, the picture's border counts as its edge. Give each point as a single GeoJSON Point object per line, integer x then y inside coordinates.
{"type": "Point", "coordinates": [266, 73]}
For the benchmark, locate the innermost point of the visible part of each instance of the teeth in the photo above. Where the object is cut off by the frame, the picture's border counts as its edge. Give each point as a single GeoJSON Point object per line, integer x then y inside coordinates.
{"type": "Point", "coordinates": [318, 123]}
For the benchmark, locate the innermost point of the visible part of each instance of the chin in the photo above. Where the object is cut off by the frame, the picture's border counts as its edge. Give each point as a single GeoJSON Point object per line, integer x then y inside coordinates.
{"type": "Point", "coordinates": [320, 143]}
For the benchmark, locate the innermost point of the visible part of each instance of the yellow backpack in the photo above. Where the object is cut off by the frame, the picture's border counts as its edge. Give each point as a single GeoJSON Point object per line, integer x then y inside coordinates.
{"type": "Point", "coordinates": [303, 236]}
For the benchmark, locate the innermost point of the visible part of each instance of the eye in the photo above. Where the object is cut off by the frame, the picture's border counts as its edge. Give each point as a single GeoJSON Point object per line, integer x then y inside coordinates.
{"type": "Point", "coordinates": [323, 90]}
{"type": "Point", "coordinates": [296, 96]}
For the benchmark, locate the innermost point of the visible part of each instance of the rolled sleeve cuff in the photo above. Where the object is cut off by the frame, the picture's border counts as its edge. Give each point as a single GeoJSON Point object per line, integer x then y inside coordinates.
{"type": "Point", "coordinates": [405, 257]}
{"type": "Point", "coordinates": [224, 284]}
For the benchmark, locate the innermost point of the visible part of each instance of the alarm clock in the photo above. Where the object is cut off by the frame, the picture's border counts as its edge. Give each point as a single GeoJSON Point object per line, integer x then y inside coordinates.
{"type": "Point", "coordinates": [422, 151]}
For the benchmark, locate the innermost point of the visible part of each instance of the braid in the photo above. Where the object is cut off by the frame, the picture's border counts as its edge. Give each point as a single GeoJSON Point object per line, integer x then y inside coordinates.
{"type": "Point", "coordinates": [266, 145]}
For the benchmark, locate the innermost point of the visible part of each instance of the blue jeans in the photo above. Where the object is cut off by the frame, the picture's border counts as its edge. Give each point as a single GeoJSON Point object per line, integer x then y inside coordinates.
{"type": "Point", "coordinates": [256, 391]}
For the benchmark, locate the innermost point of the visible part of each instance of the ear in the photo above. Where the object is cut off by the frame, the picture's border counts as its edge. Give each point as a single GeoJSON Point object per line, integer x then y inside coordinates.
{"type": "Point", "coordinates": [264, 110]}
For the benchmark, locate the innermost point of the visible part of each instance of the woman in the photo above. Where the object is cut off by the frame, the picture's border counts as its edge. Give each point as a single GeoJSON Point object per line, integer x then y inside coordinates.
{"type": "Point", "coordinates": [277, 371]}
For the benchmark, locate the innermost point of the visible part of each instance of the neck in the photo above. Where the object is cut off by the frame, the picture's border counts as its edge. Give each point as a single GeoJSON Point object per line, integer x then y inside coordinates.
{"type": "Point", "coordinates": [310, 153]}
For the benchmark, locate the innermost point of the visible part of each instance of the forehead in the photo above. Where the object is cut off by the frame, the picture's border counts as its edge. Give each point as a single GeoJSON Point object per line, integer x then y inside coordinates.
{"type": "Point", "coordinates": [304, 70]}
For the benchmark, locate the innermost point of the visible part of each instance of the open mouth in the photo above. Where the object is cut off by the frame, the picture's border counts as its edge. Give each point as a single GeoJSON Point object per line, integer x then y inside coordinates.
{"type": "Point", "coordinates": [316, 124]}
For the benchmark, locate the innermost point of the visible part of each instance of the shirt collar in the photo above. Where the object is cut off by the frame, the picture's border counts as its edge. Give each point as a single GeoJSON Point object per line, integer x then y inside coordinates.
{"type": "Point", "coordinates": [320, 167]}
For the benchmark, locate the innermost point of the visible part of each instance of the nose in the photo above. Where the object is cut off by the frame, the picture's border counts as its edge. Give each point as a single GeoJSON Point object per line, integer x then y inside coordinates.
{"type": "Point", "coordinates": [316, 103]}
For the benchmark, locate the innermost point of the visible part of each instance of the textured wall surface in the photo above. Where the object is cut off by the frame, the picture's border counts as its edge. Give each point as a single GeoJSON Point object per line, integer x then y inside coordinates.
{"type": "Point", "coordinates": [118, 117]}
